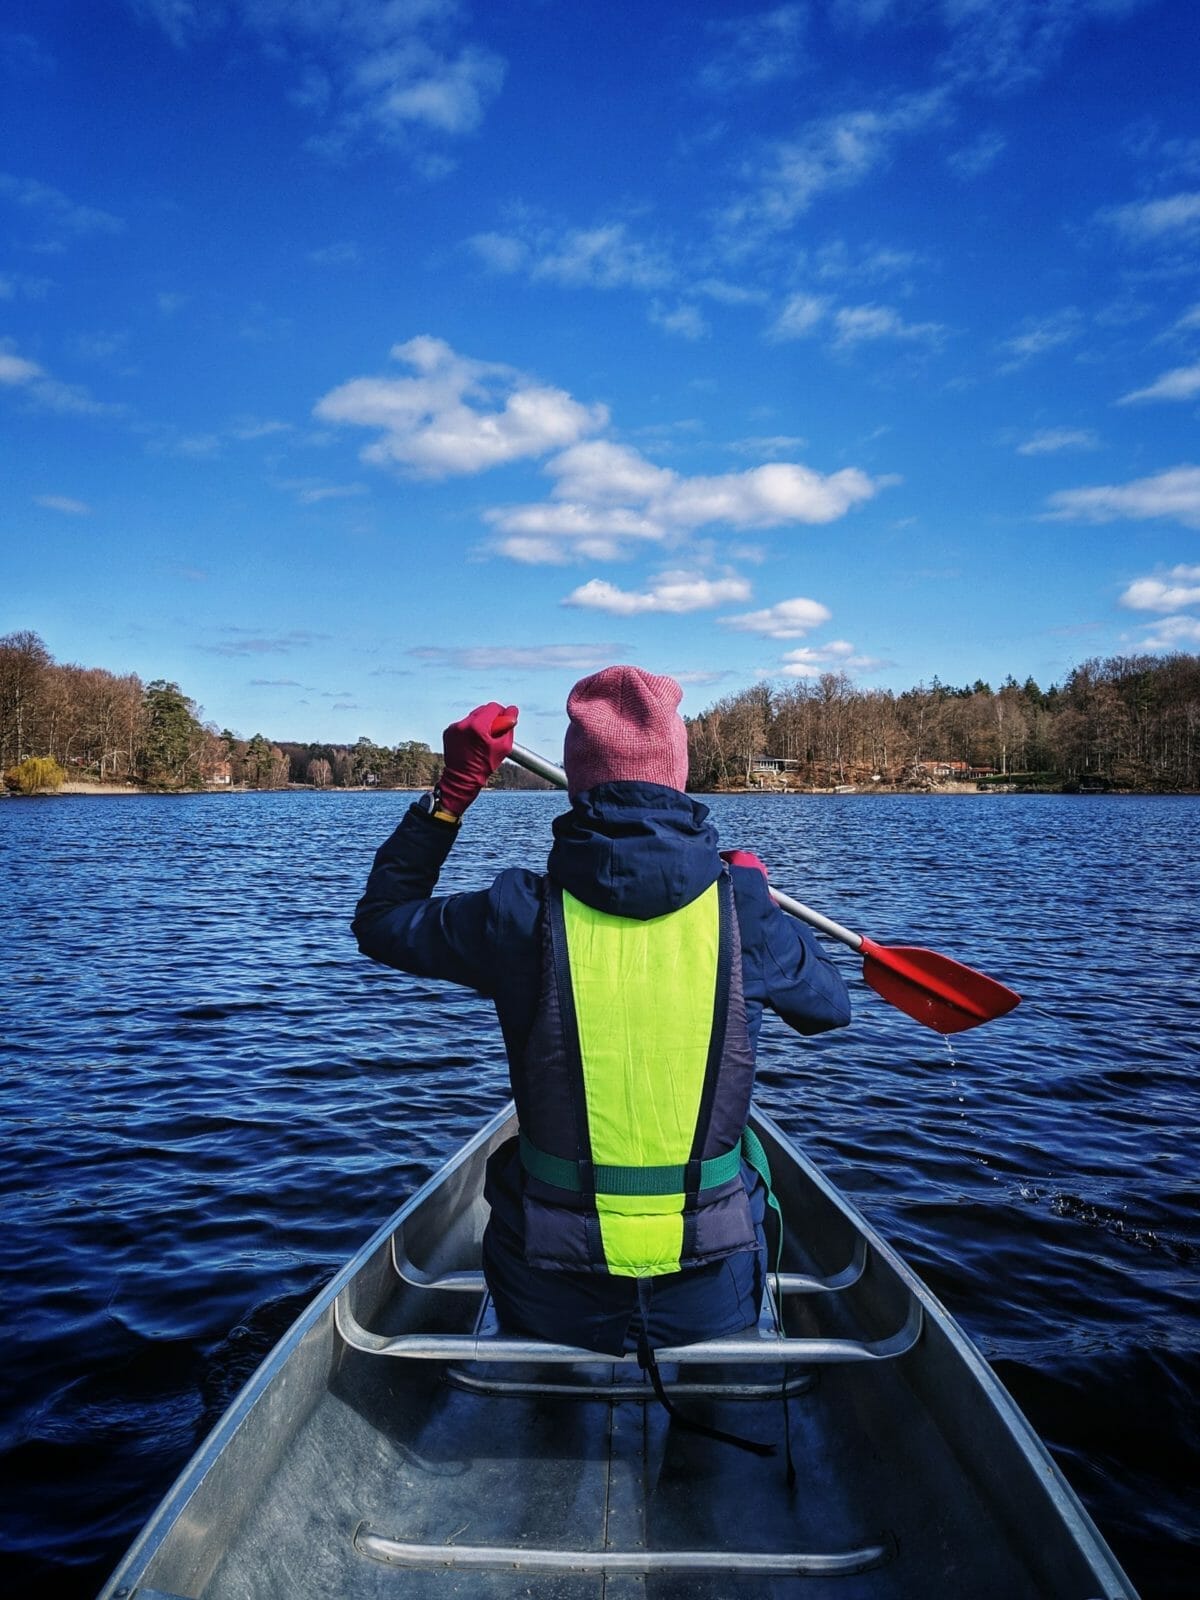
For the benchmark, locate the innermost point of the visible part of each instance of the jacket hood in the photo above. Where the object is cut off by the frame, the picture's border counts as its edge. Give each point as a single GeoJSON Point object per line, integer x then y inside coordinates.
{"type": "Point", "coordinates": [634, 849]}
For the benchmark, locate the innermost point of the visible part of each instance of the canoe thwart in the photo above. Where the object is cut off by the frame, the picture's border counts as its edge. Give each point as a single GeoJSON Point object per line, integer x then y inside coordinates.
{"type": "Point", "coordinates": [624, 1563]}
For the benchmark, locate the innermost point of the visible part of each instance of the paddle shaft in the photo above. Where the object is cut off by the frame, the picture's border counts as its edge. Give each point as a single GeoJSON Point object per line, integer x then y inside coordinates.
{"type": "Point", "coordinates": [534, 763]}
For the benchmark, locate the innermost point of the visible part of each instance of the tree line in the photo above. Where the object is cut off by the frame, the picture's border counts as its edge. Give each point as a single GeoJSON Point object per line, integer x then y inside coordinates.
{"type": "Point", "coordinates": [98, 725]}
{"type": "Point", "coordinates": [1124, 721]}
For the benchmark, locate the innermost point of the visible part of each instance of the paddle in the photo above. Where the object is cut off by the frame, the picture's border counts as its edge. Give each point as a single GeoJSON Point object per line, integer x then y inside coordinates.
{"type": "Point", "coordinates": [932, 989]}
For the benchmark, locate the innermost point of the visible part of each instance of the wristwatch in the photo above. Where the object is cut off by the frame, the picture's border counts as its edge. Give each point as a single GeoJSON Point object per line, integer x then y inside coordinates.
{"type": "Point", "coordinates": [431, 804]}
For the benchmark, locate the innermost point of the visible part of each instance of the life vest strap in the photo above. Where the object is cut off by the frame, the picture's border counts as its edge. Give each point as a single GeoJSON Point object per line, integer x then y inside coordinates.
{"type": "Point", "coordinates": [562, 1173]}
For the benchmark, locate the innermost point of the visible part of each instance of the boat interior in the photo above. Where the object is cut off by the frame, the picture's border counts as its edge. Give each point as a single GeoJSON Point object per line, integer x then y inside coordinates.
{"type": "Point", "coordinates": [397, 1444]}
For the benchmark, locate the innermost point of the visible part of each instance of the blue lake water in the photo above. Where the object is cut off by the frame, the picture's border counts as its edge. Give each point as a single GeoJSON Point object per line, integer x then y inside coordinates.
{"type": "Point", "coordinates": [208, 1099]}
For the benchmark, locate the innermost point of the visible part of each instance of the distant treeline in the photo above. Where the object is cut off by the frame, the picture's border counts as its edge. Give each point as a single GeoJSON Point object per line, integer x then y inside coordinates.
{"type": "Point", "coordinates": [1128, 721]}
{"type": "Point", "coordinates": [1124, 722]}
{"type": "Point", "coordinates": [109, 727]}
{"type": "Point", "coordinates": [113, 728]}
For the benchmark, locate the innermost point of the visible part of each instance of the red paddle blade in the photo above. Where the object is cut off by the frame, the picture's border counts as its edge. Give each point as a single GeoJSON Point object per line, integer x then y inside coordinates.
{"type": "Point", "coordinates": [933, 989]}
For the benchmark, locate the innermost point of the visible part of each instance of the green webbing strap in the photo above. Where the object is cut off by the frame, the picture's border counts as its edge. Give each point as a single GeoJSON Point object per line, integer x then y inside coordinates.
{"type": "Point", "coordinates": [564, 1174]}
{"type": "Point", "coordinates": [756, 1157]}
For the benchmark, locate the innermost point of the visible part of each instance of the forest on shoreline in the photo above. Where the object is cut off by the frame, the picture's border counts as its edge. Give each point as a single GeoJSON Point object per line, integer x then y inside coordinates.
{"type": "Point", "coordinates": [1125, 722]}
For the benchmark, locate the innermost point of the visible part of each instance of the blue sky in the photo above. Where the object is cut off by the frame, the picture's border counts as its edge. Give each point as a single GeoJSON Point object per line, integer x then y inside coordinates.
{"type": "Point", "coordinates": [361, 360]}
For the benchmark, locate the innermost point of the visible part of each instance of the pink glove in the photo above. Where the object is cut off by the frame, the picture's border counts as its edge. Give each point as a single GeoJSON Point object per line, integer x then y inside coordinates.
{"type": "Point", "coordinates": [473, 748]}
{"type": "Point", "coordinates": [743, 858]}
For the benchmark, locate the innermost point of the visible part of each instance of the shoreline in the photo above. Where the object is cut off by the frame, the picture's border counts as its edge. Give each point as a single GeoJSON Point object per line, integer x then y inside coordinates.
{"type": "Point", "coordinates": [848, 792]}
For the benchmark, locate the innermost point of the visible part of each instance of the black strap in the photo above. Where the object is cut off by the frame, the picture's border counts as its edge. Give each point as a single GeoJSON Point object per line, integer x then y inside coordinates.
{"type": "Point", "coordinates": [648, 1364]}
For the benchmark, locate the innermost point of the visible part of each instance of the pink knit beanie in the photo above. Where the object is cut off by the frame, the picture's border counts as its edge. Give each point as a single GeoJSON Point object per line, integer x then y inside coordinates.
{"type": "Point", "coordinates": [625, 725]}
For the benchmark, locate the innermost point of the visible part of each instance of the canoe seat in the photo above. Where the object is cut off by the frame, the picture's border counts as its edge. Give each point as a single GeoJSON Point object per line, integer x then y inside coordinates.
{"type": "Point", "coordinates": [754, 1348]}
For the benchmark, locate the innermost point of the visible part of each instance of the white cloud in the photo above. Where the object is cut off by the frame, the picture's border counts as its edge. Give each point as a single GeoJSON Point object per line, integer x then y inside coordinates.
{"type": "Point", "coordinates": [411, 83]}
{"type": "Point", "coordinates": [1158, 594]}
{"type": "Point", "coordinates": [606, 495]}
{"type": "Point", "coordinates": [554, 533]}
{"type": "Point", "coordinates": [245, 642]}
{"type": "Point", "coordinates": [610, 257]}
{"type": "Point", "coordinates": [858, 324]}
{"type": "Point", "coordinates": [769, 444]}
{"type": "Point", "coordinates": [456, 416]}
{"type": "Point", "coordinates": [978, 157]}
{"type": "Point", "coordinates": [63, 503]}
{"type": "Point", "coordinates": [606, 256]}
{"type": "Point", "coordinates": [994, 45]}
{"type": "Point", "coordinates": [729, 294]}
{"type": "Point", "coordinates": [192, 446]}
{"type": "Point", "coordinates": [1173, 633]}
{"type": "Point", "coordinates": [802, 315]}
{"type": "Point", "coordinates": [374, 72]}
{"type": "Point", "coordinates": [789, 619]}
{"type": "Point", "coordinates": [54, 209]}
{"type": "Point", "coordinates": [1049, 441]}
{"type": "Point", "coordinates": [15, 371]}
{"type": "Point", "coordinates": [599, 472]}
{"type": "Point", "coordinates": [310, 492]}
{"type": "Point", "coordinates": [344, 254]}
{"type": "Point", "coordinates": [1010, 42]}
{"type": "Point", "coordinates": [45, 392]}
{"type": "Point", "coordinates": [502, 252]}
{"type": "Point", "coordinates": [685, 321]}
{"type": "Point", "coordinates": [524, 658]}
{"type": "Point", "coordinates": [874, 263]}
{"type": "Point", "coordinates": [1174, 494]}
{"type": "Point", "coordinates": [839, 655]}
{"type": "Point", "coordinates": [1039, 334]}
{"type": "Point", "coordinates": [1181, 383]}
{"type": "Point", "coordinates": [831, 154]}
{"type": "Point", "coordinates": [674, 593]}
{"type": "Point", "coordinates": [1149, 221]}
{"type": "Point", "coordinates": [699, 679]}
{"type": "Point", "coordinates": [247, 428]}
{"type": "Point", "coordinates": [603, 258]}
{"type": "Point", "coordinates": [756, 50]}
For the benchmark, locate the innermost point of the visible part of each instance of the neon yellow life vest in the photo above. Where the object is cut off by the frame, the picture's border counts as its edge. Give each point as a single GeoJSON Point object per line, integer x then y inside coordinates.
{"type": "Point", "coordinates": [644, 995]}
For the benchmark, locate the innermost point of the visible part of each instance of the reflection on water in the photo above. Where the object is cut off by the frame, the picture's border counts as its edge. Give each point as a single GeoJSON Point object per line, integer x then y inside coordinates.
{"type": "Point", "coordinates": [209, 1099]}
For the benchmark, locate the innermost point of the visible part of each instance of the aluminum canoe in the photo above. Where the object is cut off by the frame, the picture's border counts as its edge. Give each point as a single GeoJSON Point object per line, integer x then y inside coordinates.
{"type": "Point", "coordinates": [395, 1445]}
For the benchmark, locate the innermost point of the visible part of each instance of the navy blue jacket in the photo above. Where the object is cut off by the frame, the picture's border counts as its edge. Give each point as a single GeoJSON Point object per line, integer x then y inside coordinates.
{"type": "Point", "coordinates": [631, 849]}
